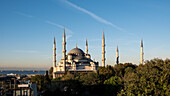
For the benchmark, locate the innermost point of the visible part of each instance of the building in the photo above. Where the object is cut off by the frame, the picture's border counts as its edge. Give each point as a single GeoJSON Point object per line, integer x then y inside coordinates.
{"type": "Point", "coordinates": [29, 89]}
{"type": "Point", "coordinates": [75, 61]}
{"type": "Point", "coordinates": [78, 61]}
{"type": "Point", "coordinates": [11, 86]}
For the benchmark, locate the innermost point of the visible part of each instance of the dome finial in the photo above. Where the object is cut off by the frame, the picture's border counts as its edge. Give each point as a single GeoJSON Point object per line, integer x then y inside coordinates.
{"type": "Point", "coordinates": [76, 45]}
{"type": "Point", "coordinates": [86, 47]}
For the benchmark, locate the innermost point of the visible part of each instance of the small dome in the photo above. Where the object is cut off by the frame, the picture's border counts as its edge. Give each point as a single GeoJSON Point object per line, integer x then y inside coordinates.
{"type": "Point", "coordinates": [76, 51]}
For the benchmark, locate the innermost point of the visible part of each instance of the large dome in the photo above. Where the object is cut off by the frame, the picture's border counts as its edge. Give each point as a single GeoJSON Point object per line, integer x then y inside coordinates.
{"type": "Point", "coordinates": [76, 51]}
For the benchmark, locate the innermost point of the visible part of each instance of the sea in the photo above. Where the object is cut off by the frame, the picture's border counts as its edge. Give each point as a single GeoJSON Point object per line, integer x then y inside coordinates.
{"type": "Point", "coordinates": [21, 72]}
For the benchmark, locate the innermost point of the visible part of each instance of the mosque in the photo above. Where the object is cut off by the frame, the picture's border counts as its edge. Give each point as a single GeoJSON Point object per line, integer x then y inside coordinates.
{"type": "Point", "coordinates": [78, 61]}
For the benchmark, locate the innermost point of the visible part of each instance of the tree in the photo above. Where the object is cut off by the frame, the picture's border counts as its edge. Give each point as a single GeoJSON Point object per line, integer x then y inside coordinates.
{"type": "Point", "coordinates": [68, 76]}
{"type": "Point", "coordinates": [89, 79]}
{"type": "Point", "coordinates": [149, 79]}
{"type": "Point", "coordinates": [105, 73]}
{"type": "Point", "coordinates": [119, 70]}
{"type": "Point", "coordinates": [40, 80]}
{"type": "Point", "coordinates": [113, 86]}
{"type": "Point", "coordinates": [51, 71]}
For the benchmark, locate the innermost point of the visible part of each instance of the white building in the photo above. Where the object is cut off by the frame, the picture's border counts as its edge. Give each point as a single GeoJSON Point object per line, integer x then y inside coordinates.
{"type": "Point", "coordinates": [75, 61]}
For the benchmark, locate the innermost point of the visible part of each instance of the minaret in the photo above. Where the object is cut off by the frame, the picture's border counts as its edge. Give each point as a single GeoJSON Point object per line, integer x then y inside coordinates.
{"type": "Point", "coordinates": [64, 50]}
{"type": "Point", "coordinates": [103, 51]}
{"type": "Point", "coordinates": [117, 56]}
{"type": "Point", "coordinates": [54, 54]}
{"type": "Point", "coordinates": [54, 58]}
{"type": "Point", "coordinates": [141, 59]}
{"type": "Point", "coordinates": [86, 47]}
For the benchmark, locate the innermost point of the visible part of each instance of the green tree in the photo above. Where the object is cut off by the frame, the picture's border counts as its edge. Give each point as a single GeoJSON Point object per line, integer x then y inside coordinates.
{"type": "Point", "coordinates": [68, 76]}
{"type": "Point", "coordinates": [113, 86]}
{"type": "Point", "coordinates": [105, 73]}
{"type": "Point", "coordinates": [119, 70]}
{"type": "Point", "coordinates": [149, 79]}
{"type": "Point", "coordinates": [40, 80]}
{"type": "Point", "coordinates": [89, 79]}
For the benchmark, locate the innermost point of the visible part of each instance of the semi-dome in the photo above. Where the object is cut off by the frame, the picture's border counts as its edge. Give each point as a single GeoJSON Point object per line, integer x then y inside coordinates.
{"type": "Point", "coordinates": [76, 51]}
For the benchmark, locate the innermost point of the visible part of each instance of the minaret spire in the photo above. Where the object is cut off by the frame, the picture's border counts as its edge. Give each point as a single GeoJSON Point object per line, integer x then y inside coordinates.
{"type": "Point", "coordinates": [54, 39]}
{"type": "Point", "coordinates": [86, 47]}
{"type": "Point", "coordinates": [142, 43]}
{"type": "Point", "coordinates": [54, 57]}
{"type": "Point", "coordinates": [141, 59]}
{"type": "Point", "coordinates": [103, 50]}
{"type": "Point", "coordinates": [117, 56]}
{"type": "Point", "coordinates": [64, 50]}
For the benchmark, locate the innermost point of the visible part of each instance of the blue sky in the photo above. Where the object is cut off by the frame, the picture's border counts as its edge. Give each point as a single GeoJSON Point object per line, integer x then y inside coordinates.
{"type": "Point", "coordinates": [27, 29]}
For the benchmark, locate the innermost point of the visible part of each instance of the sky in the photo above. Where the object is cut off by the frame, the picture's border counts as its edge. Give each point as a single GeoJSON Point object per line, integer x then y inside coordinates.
{"type": "Point", "coordinates": [28, 27]}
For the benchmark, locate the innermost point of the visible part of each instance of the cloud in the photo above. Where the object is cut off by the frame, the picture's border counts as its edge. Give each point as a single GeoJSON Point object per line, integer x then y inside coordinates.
{"type": "Point", "coordinates": [58, 25]}
{"type": "Point", "coordinates": [100, 19]}
{"type": "Point", "coordinates": [25, 51]}
{"type": "Point", "coordinates": [23, 14]}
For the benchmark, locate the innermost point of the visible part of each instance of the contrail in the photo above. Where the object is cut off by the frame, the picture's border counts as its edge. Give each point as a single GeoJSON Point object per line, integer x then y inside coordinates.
{"type": "Point", "coordinates": [52, 23]}
{"type": "Point", "coordinates": [58, 25]}
{"type": "Point", "coordinates": [96, 17]}
{"type": "Point", "coordinates": [23, 14]}
{"type": "Point", "coordinates": [93, 15]}
{"type": "Point", "coordinates": [49, 22]}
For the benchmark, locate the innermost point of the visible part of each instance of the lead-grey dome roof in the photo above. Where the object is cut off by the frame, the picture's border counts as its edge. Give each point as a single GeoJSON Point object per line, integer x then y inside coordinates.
{"type": "Point", "coordinates": [76, 51]}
